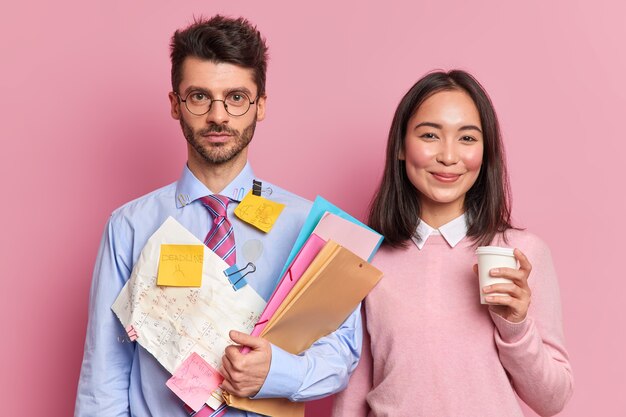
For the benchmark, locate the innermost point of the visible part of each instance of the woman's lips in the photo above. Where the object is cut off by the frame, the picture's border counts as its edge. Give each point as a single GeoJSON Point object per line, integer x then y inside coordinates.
{"type": "Point", "coordinates": [445, 177]}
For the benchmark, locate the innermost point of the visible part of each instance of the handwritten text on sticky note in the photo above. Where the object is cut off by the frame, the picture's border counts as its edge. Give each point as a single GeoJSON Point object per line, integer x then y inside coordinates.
{"type": "Point", "coordinates": [259, 212]}
{"type": "Point", "coordinates": [194, 381]}
{"type": "Point", "coordinates": [180, 265]}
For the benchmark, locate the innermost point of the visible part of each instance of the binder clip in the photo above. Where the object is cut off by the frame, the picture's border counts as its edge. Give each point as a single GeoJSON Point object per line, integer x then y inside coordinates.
{"type": "Point", "coordinates": [256, 188]}
{"type": "Point", "coordinates": [237, 276]}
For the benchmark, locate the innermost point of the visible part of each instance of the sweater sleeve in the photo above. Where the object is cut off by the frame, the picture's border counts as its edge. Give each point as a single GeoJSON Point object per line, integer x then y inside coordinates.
{"type": "Point", "coordinates": [533, 351]}
{"type": "Point", "coordinates": [352, 402]}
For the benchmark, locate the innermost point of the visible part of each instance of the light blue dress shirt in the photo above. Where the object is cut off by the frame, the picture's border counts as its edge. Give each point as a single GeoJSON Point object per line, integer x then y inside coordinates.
{"type": "Point", "coordinates": [119, 378]}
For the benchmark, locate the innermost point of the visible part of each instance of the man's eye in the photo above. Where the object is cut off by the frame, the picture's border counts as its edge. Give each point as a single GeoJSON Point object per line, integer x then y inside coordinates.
{"type": "Point", "coordinates": [198, 97]}
{"type": "Point", "coordinates": [237, 99]}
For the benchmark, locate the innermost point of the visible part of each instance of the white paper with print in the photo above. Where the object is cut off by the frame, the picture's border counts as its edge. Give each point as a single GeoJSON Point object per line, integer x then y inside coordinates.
{"type": "Point", "coordinates": [173, 322]}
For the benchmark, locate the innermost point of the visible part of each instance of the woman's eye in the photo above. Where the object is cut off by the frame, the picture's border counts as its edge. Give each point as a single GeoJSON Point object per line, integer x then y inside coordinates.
{"type": "Point", "coordinates": [429, 136]}
{"type": "Point", "coordinates": [468, 139]}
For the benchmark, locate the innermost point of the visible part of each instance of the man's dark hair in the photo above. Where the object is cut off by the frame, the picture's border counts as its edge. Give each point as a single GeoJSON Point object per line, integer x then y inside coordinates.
{"type": "Point", "coordinates": [395, 208]}
{"type": "Point", "coordinates": [220, 39]}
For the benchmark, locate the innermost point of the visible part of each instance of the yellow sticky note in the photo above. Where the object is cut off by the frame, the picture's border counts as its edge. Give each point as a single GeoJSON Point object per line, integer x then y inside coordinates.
{"type": "Point", "coordinates": [258, 211]}
{"type": "Point", "coordinates": [180, 265]}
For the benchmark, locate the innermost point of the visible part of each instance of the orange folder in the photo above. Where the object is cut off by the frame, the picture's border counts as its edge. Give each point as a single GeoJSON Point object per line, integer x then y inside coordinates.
{"type": "Point", "coordinates": [331, 288]}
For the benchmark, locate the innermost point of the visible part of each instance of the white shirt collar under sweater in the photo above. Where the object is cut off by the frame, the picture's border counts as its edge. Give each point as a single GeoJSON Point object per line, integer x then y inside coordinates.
{"type": "Point", "coordinates": [453, 232]}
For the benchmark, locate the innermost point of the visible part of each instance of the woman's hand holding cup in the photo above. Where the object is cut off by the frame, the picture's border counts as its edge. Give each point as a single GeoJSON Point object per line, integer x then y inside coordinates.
{"type": "Point", "coordinates": [509, 300]}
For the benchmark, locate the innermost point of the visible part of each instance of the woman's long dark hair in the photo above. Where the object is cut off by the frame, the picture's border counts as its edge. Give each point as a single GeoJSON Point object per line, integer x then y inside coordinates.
{"type": "Point", "coordinates": [395, 208]}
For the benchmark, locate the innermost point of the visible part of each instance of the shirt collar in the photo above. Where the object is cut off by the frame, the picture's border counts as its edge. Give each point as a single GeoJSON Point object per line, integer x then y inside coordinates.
{"type": "Point", "coordinates": [453, 232]}
{"type": "Point", "coordinates": [189, 188]}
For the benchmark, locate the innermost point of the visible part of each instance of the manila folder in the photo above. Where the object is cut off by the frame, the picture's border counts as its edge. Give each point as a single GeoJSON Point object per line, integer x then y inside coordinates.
{"type": "Point", "coordinates": [318, 308]}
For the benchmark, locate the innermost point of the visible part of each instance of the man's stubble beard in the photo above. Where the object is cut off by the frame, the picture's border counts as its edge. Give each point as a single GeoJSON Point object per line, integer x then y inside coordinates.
{"type": "Point", "coordinates": [220, 153]}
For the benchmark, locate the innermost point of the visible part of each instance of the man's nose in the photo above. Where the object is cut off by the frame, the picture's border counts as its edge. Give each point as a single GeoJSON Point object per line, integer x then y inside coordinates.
{"type": "Point", "coordinates": [217, 112]}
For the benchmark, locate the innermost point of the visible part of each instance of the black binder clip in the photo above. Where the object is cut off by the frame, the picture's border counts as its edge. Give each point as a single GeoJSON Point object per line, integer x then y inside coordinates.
{"type": "Point", "coordinates": [256, 188]}
{"type": "Point", "coordinates": [237, 276]}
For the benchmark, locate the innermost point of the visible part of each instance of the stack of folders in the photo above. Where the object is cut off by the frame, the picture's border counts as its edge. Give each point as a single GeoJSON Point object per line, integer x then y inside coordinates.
{"type": "Point", "coordinates": [322, 284]}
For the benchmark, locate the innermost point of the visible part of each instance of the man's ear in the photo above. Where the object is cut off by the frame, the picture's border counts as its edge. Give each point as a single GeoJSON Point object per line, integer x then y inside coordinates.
{"type": "Point", "coordinates": [174, 105]}
{"type": "Point", "coordinates": [260, 108]}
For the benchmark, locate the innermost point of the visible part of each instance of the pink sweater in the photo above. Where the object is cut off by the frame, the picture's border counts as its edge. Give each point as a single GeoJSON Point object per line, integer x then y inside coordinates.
{"type": "Point", "coordinates": [434, 351]}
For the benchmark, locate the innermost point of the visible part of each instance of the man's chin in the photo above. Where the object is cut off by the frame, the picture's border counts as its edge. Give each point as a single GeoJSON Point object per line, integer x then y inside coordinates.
{"type": "Point", "coordinates": [218, 158]}
{"type": "Point", "coordinates": [217, 153]}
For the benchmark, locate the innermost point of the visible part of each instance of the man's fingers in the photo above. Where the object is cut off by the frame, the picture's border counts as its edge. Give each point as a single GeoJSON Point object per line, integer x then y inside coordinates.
{"type": "Point", "coordinates": [246, 340]}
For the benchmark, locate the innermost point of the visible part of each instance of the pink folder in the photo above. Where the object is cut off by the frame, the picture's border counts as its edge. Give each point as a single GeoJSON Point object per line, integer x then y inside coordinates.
{"type": "Point", "coordinates": [300, 263]}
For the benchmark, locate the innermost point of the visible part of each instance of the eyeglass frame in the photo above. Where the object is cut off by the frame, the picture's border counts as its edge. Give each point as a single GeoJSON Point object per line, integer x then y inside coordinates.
{"type": "Point", "coordinates": [214, 100]}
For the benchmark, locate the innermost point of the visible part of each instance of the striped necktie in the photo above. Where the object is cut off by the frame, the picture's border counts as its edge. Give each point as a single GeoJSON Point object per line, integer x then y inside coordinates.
{"type": "Point", "coordinates": [221, 238]}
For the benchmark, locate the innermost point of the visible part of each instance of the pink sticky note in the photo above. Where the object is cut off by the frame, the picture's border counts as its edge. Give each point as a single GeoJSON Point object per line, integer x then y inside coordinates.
{"type": "Point", "coordinates": [358, 239]}
{"type": "Point", "coordinates": [194, 381]}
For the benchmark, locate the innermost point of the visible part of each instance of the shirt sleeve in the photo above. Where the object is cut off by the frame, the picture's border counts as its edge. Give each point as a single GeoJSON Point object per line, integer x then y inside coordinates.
{"type": "Point", "coordinates": [104, 376]}
{"type": "Point", "coordinates": [353, 400]}
{"type": "Point", "coordinates": [319, 371]}
{"type": "Point", "coordinates": [533, 351]}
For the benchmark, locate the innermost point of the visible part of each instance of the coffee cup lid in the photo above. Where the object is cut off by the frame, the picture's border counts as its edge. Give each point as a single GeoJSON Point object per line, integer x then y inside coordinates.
{"type": "Point", "coordinates": [494, 250]}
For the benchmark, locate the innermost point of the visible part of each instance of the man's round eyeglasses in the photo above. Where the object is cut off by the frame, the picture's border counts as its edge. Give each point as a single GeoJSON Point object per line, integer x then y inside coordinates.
{"type": "Point", "coordinates": [236, 103]}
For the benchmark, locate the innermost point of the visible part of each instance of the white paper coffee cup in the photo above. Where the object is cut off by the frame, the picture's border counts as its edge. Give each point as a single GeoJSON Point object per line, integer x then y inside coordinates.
{"type": "Point", "coordinates": [490, 257]}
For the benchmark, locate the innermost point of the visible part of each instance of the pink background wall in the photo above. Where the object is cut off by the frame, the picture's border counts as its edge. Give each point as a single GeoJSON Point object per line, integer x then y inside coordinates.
{"type": "Point", "coordinates": [86, 127]}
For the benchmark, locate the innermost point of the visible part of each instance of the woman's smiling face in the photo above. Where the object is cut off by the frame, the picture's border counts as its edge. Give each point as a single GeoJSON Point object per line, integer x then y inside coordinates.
{"type": "Point", "coordinates": [443, 152]}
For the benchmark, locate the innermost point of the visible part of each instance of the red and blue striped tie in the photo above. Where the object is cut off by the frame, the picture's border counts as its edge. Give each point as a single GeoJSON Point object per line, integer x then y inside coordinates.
{"type": "Point", "coordinates": [221, 238]}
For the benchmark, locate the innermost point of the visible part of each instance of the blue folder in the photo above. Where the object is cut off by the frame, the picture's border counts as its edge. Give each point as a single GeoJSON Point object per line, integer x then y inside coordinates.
{"type": "Point", "coordinates": [321, 206]}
